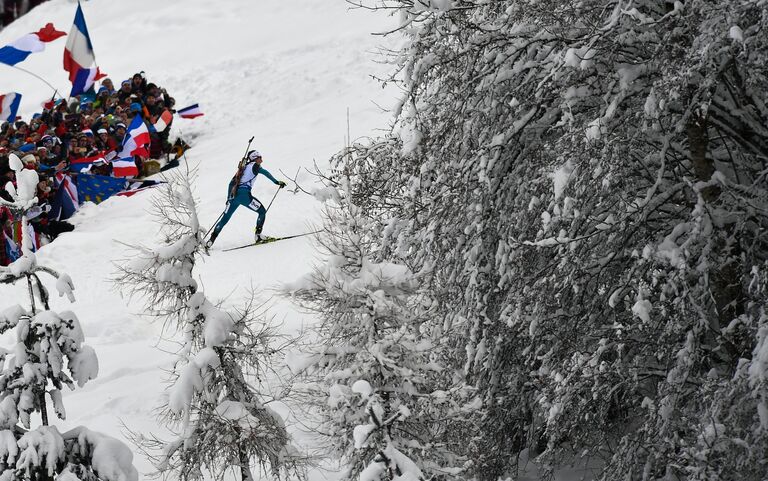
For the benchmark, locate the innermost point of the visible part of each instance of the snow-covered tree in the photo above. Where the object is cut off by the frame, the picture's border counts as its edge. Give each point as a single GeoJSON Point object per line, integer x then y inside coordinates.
{"type": "Point", "coordinates": [49, 353]}
{"type": "Point", "coordinates": [380, 392]}
{"type": "Point", "coordinates": [221, 421]}
{"type": "Point", "coordinates": [582, 186]}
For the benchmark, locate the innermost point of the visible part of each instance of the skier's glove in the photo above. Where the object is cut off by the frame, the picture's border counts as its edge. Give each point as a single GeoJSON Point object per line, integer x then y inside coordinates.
{"type": "Point", "coordinates": [281, 184]}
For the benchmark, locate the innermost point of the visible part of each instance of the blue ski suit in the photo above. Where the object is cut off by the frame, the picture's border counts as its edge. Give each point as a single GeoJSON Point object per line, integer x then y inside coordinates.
{"type": "Point", "coordinates": [243, 197]}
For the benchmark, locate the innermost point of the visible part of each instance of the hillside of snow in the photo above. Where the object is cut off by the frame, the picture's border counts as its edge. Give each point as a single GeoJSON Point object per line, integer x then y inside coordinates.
{"type": "Point", "coordinates": [283, 72]}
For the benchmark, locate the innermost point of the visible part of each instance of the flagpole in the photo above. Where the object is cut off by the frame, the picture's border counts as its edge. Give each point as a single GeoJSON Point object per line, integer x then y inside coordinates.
{"type": "Point", "coordinates": [90, 46]}
{"type": "Point", "coordinates": [55, 90]}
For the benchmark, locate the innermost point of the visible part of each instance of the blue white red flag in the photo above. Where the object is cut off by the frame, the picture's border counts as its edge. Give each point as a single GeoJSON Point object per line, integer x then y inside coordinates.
{"type": "Point", "coordinates": [79, 59]}
{"type": "Point", "coordinates": [19, 50]}
{"type": "Point", "coordinates": [9, 105]}
{"type": "Point", "coordinates": [125, 167]}
{"type": "Point", "coordinates": [66, 202]}
{"type": "Point", "coordinates": [190, 112]}
{"type": "Point", "coordinates": [85, 163]}
{"type": "Point", "coordinates": [84, 80]}
{"type": "Point", "coordinates": [135, 143]}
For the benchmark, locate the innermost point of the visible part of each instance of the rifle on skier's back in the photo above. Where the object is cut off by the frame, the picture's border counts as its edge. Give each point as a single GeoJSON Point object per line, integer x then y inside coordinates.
{"type": "Point", "coordinates": [239, 174]}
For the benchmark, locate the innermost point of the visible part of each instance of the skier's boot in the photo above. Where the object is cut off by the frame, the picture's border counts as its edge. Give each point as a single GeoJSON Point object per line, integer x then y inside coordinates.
{"type": "Point", "coordinates": [257, 237]}
{"type": "Point", "coordinates": [210, 241]}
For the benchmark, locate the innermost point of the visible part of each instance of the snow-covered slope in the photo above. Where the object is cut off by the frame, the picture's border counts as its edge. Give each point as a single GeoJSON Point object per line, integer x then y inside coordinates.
{"type": "Point", "coordinates": [285, 72]}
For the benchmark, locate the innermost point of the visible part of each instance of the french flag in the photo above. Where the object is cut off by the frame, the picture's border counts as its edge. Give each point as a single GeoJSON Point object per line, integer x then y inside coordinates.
{"type": "Point", "coordinates": [9, 105]}
{"type": "Point", "coordinates": [190, 112]}
{"type": "Point", "coordinates": [84, 163]}
{"type": "Point", "coordinates": [79, 59]}
{"type": "Point", "coordinates": [124, 168]}
{"type": "Point", "coordinates": [135, 143]}
{"type": "Point", "coordinates": [136, 139]}
{"type": "Point", "coordinates": [65, 202]}
{"type": "Point", "coordinates": [84, 80]}
{"type": "Point", "coordinates": [19, 50]}
{"type": "Point", "coordinates": [163, 121]}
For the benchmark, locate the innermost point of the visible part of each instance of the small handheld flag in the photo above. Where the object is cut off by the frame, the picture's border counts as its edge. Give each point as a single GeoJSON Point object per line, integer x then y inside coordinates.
{"type": "Point", "coordinates": [190, 112]}
{"type": "Point", "coordinates": [135, 143]}
{"type": "Point", "coordinates": [125, 167]}
{"type": "Point", "coordinates": [163, 121]}
{"type": "Point", "coordinates": [136, 139]}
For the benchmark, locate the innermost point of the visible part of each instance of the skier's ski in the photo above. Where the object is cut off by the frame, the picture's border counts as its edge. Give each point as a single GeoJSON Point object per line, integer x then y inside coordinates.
{"type": "Point", "coordinates": [268, 240]}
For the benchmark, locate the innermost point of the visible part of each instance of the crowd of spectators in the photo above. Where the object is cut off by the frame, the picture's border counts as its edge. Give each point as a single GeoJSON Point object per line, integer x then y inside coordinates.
{"type": "Point", "coordinates": [90, 125]}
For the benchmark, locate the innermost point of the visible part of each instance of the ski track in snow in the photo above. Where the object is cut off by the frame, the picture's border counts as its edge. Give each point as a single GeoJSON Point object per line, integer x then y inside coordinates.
{"type": "Point", "coordinates": [281, 71]}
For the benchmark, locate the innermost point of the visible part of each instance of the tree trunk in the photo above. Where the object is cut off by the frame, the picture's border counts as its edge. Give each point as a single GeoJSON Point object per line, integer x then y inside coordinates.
{"type": "Point", "coordinates": [725, 282]}
{"type": "Point", "coordinates": [698, 142]}
{"type": "Point", "coordinates": [245, 467]}
{"type": "Point", "coordinates": [43, 409]}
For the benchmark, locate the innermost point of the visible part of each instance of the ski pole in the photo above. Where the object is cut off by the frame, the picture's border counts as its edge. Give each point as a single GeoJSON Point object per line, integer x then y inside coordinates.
{"type": "Point", "coordinates": [273, 199]}
{"type": "Point", "coordinates": [214, 225]}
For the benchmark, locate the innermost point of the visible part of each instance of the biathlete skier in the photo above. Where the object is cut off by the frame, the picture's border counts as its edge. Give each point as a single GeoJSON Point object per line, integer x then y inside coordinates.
{"type": "Point", "coordinates": [240, 194]}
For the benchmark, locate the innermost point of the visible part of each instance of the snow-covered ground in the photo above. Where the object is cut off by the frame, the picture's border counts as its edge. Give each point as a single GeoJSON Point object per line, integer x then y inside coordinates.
{"type": "Point", "coordinates": [284, 72]}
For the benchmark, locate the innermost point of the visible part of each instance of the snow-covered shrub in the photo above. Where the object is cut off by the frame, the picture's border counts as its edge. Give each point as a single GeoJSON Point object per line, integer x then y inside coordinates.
{"type": "Point", "coordinates": [222, 423]}
{"type": "Point", "coordinates": [48, 354]}
{"type": "Point", "coordinates": [581, 187]}
{"type": "Point", "coordinates": [378, 389]}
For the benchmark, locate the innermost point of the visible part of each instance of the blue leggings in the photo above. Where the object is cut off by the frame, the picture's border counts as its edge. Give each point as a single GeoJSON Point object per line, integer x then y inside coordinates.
{"type": "Point", "coordinates": [242, 197]}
